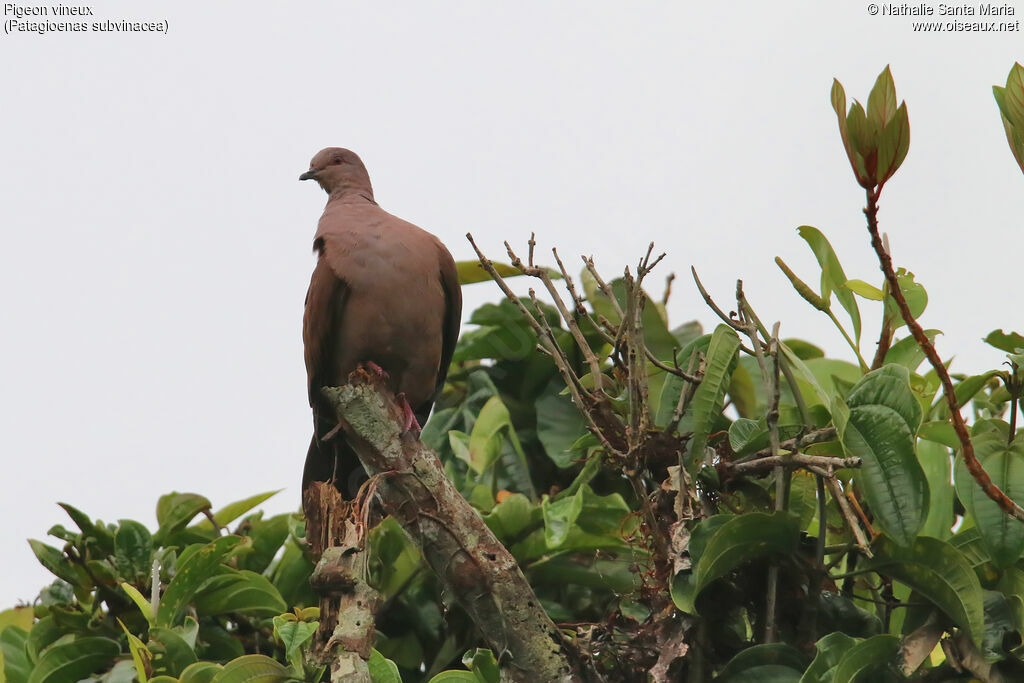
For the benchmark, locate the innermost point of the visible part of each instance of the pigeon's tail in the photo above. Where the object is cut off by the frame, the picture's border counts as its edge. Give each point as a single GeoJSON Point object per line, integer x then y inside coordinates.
{"type": "Point", "coordinates": [422, 413]}
{"type": "Point", "coordinates": [334, 461]}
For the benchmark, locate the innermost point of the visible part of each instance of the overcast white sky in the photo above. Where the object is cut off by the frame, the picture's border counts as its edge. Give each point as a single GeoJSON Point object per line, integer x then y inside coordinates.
{"type": "Point", "coordinates": [156, 240]}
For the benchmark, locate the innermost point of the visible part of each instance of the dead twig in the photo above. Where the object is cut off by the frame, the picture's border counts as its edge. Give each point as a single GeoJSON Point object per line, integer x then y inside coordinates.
{"type": "Point", "coordinates": [792, 461]}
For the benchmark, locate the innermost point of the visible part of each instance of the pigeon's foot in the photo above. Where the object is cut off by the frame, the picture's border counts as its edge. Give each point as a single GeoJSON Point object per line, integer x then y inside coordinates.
{"type": "Point", "coordinates": [374, 368]}
{"type": "Point", "coordinates": [409, 422]}
{"type": "Point", "coordinates": [331, 434]}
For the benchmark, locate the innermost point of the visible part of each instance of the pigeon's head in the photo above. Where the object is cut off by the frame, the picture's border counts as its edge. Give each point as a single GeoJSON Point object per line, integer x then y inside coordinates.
{"type": "Point", "coordinates": [338, 171]}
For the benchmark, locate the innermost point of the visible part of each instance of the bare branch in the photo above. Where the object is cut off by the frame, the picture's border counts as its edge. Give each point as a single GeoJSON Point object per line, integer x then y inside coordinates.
{"type": "Point", "coordinates": [793, 460]}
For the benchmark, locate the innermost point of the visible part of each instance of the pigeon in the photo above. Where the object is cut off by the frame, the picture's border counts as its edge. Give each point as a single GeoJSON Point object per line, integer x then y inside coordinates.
{"type": "Point", "coordinates": [384, 294]}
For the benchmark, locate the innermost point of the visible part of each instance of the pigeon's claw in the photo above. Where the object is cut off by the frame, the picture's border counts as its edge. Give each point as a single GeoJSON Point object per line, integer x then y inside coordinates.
{"type": "Point", "coordinates": [409, 422]}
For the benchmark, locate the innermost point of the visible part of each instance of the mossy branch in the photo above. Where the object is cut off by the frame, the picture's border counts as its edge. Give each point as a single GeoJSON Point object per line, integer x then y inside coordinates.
{"type": "Point", "coordinates": [468, 559]}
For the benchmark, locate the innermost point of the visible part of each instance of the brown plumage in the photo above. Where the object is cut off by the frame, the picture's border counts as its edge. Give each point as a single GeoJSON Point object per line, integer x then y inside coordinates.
{"type": "Point", "coordinates": [383, 291]}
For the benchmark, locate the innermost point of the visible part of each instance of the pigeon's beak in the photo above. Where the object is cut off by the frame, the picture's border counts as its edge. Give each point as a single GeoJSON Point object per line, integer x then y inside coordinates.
{"type": "Point", "coordinates": [308, 175]}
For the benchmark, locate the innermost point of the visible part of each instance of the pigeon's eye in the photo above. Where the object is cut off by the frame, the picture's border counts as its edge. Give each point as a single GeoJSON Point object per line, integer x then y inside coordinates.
{"type": "Point", "coordinates": [337, 160]}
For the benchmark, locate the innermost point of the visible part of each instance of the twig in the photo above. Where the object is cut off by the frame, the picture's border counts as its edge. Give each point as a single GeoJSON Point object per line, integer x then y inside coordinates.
{"type": "Point", "coordinates": [209, 515]}
{"type": "Point", "coordinates": [817, 436]}
{"type": "Point", "coordinates": [714, 307]}
{"type": "Point", "coordinates": [668, 288]}
{"type": "Point", "coordinates": [791, 461]}
{"type": "Point", "coordinates": [967, 448]}
{"type": "Point", "coordinates": [570, 320]}
{"type": "Point", "coordinates": [616, 340]}
{"type": "Point", "coordinates": [602, 285]}
{"type": "Point", "coordinates": [844, 507]}
{"type": "Point", "coordinates": [547, 341]}
{"type": "Point", "coordinates": [734, 324]}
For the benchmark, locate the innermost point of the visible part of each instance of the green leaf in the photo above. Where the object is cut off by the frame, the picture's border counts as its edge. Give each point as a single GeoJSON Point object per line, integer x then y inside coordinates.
{"type": "Point", "coordinates": [471, 271]}
{"type": "Point", "coordinates": [233, 511]}
{"type": "Point", "coordinates": [864, 135]}
{"type": "Point", "coordinates": [244, 592]}
{"type": "Point", "coordinates": [880, 429]}
{"type": "Point", "coordinates": [1005, 341]}
{"type": "Point", "coordinates": [939, 431]}
{"type": "Point", "coordinates": [865, 290]}
{"type": "Point", "coordinates": [831, 649]}
{"type": "Point", "coordinates": [97, 532]}
{"type": "Point", "coordinates": [290, 576]}
{"type": "Point", "coordinates": [1002, 535]}
{"type": "Point", "coordinates": [939, 572]}
{"type": "Point", "coordinates": [1011, 102]}
{"type": "Point", "coordinates": [839, 106]}
{"type": "Point", "coordinates": [835, 375]}
{"type": "Point", "coordinates": [803, 497]}
{"type": "Point", "coordinates": [748, 436]}
{"type": "Point", "coordinates": [869, 660]}
{"type": "Point", "coordinates": [485, 439]}
{"type": "Point", "coordinates": [833, 279]}
{"type": "Point", "coordinates": [968, 388]}
{"type": "Point", "coordinates": [559, 518]}
{"type": "Point", "coordinates": [172, 654]}
{"type": "Point", "coordinates": [133, 549]}
{"type": "Point", "coordinates": [382, 669]}
{"type": "Point", "coordinates": [743, 432]}
{"type": "Point", "coordinates": [55, 561]}
{"type": "Point", "coordinates": [16, 664]}
{"type": "Point", "coordinates": [683, 591]}
{"type": "Point", "coordinates": [294, 634]}
{"type": "Point", "coordinates": [882, 99]}
{"type": "Point", "coordinates": [175, 510]}
{"type": "Point", "coordinates": [200, 672]}
{"type": "Point", "coordinates": [560, 424]}
{"type": "Point", "coordinates": [710, 393]}
{"type": "Point", "coordinates": [752, 664]}
{"type": "Point", "coordinates": [268, 535]}
{"type": "Point", "coordinates": [893, 145]}
{"type": "Point", "coordinates": [252, 669]}
{"type": "Point", "coordinates": [453, 676]}
{"type": "Point", "coordinates": [514, 340]}
{"type": "Point", "coordinates": [615, 575]}
{"type": "Point", "coordinates": [907, 353]}
{"type": "Point", "coordinates": [140, 601]}
{"type": "Point", "coordinates": [43, 634]}
{"type": "Point", "coordinates": [482, 663]}
{"type": "Point", "coordinates": [74, 660]}
{"type": "Point", "coordinates": [743, 538]}
{"type": "Point", "coordinates": [936, 462]}
{"type": "Point", "coordinates": [601, 524]}
{"type": "Point", "coordinates": [915, 295]}
{"type": "Point", "coordinates": [193, 572]}
{"type": "Point", "coordinates": [673, 385]}
{"type": "Point", "coordinates": [1001, 626]}
{"type": "Point", "coordinates": [509, 517]}
{"type": "Point", "coordinates": [805, 375]}
{"type": "Point", "coordinates": [804, 350]}
{"type": "Point", "coordinates": [20, 617]}
{"type": "Point", "coordinates": [141, 656]}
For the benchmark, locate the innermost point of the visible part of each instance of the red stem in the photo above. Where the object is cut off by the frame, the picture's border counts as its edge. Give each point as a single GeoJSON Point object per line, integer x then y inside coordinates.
{"type": "Point", "coordinates": [967, 448]}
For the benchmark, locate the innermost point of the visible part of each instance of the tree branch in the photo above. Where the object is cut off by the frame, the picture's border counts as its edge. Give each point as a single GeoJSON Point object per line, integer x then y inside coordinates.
{"type": "Point", "coordinates": [469, 561]}
{"type": "Point", "coordinates": [959, 426]}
